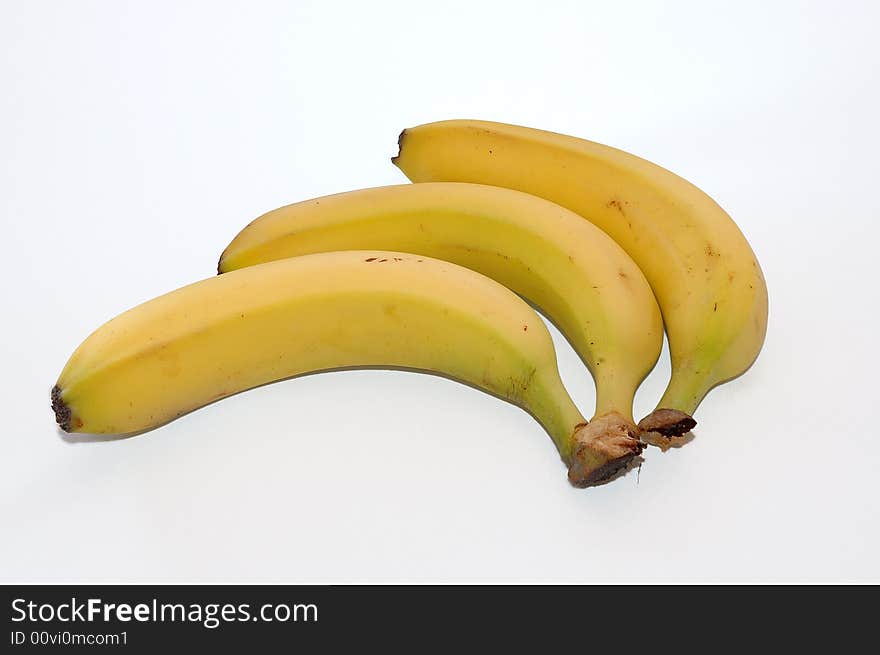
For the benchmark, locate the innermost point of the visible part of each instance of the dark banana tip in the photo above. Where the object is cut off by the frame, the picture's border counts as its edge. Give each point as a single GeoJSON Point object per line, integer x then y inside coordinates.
{"type": "Point", "coordinates": [62, 411]}
{"type": "Point", "coordinates": [399, 147]}
{"type": "Point", "coordinates": [604, 473]}
{"type": "Point", "coordinates": [605, 446]}
{"type": "Point", "coordinates": [668, 422]}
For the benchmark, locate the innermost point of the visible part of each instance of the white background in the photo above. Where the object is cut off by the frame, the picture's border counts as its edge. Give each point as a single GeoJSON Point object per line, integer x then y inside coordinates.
{"type": "Point", "coordinates": [136, 139]}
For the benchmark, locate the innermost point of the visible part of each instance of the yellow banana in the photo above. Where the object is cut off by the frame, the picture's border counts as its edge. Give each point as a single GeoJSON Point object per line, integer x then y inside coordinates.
{"type": "Point", "coordinates": [567, 267]}
{"type": "Point", "coordinates": [706, 278]}
{"type": "Point", "coordinates": [232, 332]}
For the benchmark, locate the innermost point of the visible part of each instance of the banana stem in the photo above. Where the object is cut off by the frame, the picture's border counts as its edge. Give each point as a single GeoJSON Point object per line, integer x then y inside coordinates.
{"type": "Point", "coordinates": [615, 395]}
{"type": "Point", "coordinates": [551, 405]}
{"type": "Point", "coordinates": [685, 390]}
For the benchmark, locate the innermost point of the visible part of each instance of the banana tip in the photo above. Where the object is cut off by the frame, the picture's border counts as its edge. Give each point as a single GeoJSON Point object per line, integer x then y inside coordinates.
{"type": "Point", "coordinates": [400, 138]}
{"type": "Point", "coordinates": [62, 411]}
{"type": "Point", "coordinates": [604, 473]}
{"type": "Point", "coordinates": [604, 447]}
{"type": "Point", "coordinates": [668, 422]}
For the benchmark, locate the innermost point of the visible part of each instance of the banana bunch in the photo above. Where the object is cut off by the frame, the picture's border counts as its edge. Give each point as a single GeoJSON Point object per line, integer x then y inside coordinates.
{"type": "Point", "coordinates": [434, 277]}
{"type": "Point", "coordinates": [705, 276]}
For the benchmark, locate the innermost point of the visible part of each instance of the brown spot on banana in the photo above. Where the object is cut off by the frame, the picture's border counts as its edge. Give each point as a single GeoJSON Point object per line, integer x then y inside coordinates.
{"type": "Point", "coordinates": [618, 205]}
